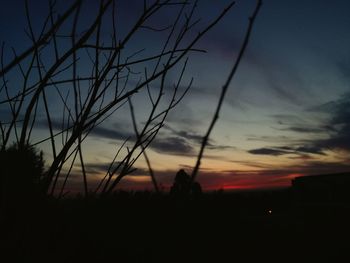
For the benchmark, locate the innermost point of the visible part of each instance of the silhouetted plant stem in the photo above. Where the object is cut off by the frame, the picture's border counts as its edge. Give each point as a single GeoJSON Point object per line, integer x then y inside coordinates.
{"type": "Point", "coordinates": [105, 85]}
{"type": "Point", "coordinates": [82, 167]}
{"type": "Point", "coordinates": [67, 175]}
{"type": "Point", "coordinates": [224, 90]}
{"type": "Point", "coordinates": [42, 41]}
{"type": "Point", "coordinates": [154, 181]}
{"type": "Point", "coordinates": [52, 70]}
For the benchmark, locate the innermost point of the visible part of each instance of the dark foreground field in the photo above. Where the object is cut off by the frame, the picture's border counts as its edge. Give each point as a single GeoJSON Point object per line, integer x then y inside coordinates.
{"type": "Point", "coordinates": [143, 227]}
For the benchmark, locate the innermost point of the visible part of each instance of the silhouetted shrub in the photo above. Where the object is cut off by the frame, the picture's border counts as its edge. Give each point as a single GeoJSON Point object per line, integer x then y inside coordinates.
{"type": "Point", "coordinates": [183, 186]}
{"type": "Point", "coordinates": [22, 172]}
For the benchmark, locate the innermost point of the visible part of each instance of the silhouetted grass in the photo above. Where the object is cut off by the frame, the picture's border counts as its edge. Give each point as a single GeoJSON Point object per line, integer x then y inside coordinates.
{"type": "Point", "coordinates": [146, 227]}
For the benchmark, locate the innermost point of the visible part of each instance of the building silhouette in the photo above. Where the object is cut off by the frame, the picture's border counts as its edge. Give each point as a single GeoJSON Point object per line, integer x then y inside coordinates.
{"type": "Point", "coordinates": [322, 188]}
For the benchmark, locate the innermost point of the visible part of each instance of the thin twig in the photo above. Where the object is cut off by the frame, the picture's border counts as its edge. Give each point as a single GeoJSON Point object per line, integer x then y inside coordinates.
{"type": "Point", "coordinates": [225, 88]}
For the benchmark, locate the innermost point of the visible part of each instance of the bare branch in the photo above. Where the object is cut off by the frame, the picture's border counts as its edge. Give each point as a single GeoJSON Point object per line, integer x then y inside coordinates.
{"type": "Point", "coordinates": [225, 88]}
{"type": "Point", "coordinates": [43, 40]}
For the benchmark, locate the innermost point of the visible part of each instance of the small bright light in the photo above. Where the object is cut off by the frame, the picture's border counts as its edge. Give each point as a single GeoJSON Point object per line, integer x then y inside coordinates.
{"type": "Point", "coordinates": [270, 211]}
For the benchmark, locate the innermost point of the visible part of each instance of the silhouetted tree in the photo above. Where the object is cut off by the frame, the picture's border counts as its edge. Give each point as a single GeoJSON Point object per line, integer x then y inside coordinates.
{"type": "Point", "coordinates": [182, 185]}
{"type": "Point", "coordinates": [22, 173]}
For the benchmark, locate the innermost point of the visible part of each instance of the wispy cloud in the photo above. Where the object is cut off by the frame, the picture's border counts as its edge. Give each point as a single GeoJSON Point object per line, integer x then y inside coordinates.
{"type": "Point", "coordinates": [196, 139]}
{"type": "Point", "coordinates": [338, 126]}
{"type": "Point", "coordinates": [304, 129]}
{"type": "Point", "coordinates": [284, 150]}
{"type": "Point", "coordinates": [99, 131]}
{"type": "Point", "coordinates": [331, 133]}
{"type": "Point", "coordinates": [173, 146]}
{"type": "Point", "coordinates": [269, 138]}
{"type": "Point", "coordinates": [112, 133]}
{"type": "Point", "coordinates": [268, 151]}
{"type": "Point", "coordinates": [188, 135]}
{"type": "Point", "coordinates": [310, 149]}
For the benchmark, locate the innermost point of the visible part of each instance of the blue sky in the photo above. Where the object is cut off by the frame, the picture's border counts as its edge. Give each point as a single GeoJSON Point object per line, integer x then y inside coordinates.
{"type": "Point", "coordinates": [286, 113]}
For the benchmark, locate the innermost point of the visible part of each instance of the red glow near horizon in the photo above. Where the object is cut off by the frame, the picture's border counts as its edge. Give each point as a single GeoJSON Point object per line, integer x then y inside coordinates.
{"type": "Point", "coordinates": [254, 182]}
{"type": "Point", "coordinates": [214, 182]}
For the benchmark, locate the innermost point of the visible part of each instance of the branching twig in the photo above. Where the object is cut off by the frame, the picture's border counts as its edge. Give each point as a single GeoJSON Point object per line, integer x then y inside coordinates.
{"type": "Point", "coordinates": [225, 88]}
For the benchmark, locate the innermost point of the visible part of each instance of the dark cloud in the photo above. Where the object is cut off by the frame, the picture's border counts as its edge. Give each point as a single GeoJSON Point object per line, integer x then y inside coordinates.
{"type": "Point", "coordinates": [268, 151]}
{"type": "Point", "coordinates": [340, 141]}
{"type": "Point", "coordinates": [273, 139]}
{"type": "Point", "coordinates": [335, 129]}
{"type": "Point", "coordinates": [173, 145]}
{"type": "Point", "coordinates": [114, 134]}
{"type": "Point", "coordinates": [338, 125]}
{"type": "Point", "coordinates": [283, 150]}
{"type": "Point", "coordinates": [97, 167]}
{"type": "Point", "coordinates": [289, 118]}
{"type": "Point", "coordinates": [297, 124]}
{"type": "Point", "coordinates": [305, 129]}
{"type": "Point", "coordinates": [310, 149]}
{"type": "Point", "coordinates": [211, 146]}
{"type": "Point", "coordinates": [188, 135]}
{"type": "Point", "coordinates": [99, 131]}
{"type": "Point", "coordinates": [196, 138]}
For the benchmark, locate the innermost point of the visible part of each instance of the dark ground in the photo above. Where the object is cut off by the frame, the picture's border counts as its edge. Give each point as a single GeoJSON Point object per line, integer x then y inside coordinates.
{"type": "Point", "coordinates": [143, 227]}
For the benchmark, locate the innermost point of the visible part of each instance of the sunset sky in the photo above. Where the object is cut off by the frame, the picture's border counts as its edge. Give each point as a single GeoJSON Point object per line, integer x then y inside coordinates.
{"type": "Point", "coordinates": [286, 114]}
